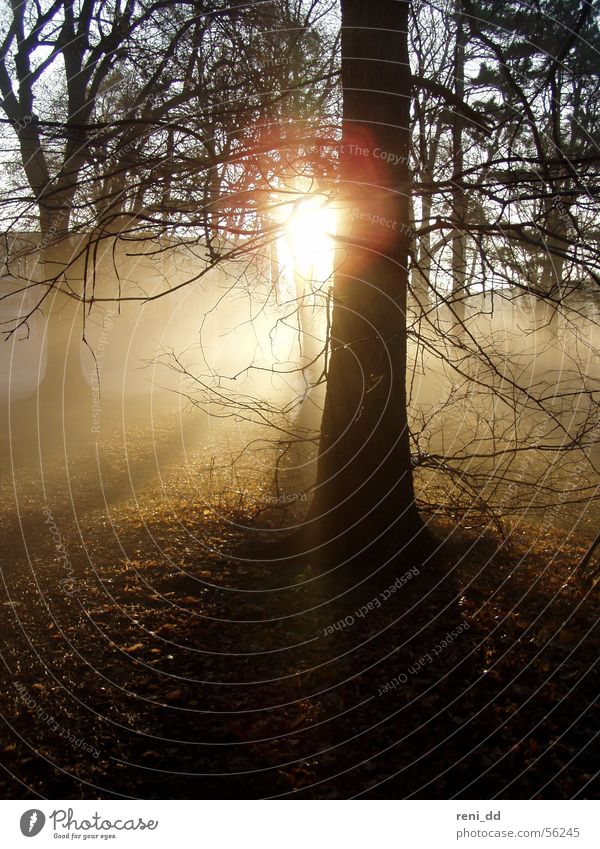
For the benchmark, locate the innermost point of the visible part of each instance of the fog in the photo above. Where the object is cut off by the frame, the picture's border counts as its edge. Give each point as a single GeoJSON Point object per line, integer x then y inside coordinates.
{"type": "Point", "coordinates": [217, 383]}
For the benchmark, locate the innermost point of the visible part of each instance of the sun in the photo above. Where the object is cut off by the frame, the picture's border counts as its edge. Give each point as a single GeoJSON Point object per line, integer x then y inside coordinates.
{"type": "Point", "coordinates": [306, 245]}
{"type": "Point", "coordinates": [310, 225]}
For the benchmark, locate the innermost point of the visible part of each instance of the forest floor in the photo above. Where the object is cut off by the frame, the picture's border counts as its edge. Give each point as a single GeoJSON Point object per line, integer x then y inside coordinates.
{"type": "Point", "coordinates": [142, 661]}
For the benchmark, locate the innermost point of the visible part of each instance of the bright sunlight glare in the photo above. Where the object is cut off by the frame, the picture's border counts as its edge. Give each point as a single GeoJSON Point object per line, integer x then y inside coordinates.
{"type": "Point", "coordinates": [311, 224]}
{"type": "Point", "coordinates": [306, 245]}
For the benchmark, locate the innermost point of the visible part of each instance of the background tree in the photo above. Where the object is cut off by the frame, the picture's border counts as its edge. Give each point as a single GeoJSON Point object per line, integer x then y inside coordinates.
{"type": "Point", "coordinates": [161, 110]}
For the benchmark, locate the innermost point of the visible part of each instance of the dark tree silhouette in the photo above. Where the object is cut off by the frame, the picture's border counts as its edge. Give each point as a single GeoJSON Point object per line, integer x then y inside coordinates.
{"type": "Point", "coordinates": [364, 490]}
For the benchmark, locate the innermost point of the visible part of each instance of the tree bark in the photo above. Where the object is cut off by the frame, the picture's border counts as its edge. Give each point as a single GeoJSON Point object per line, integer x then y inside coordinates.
{"type": "Point", "coordinates": [364, 491]}
{"type": "Point", "coordinates": [63, 384]}
{"type": "Point", "coordinates": [459, 201]}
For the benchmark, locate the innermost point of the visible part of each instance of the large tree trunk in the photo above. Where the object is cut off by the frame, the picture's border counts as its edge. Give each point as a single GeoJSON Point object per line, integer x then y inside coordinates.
{"type": "Point", "coordinates": [364, 493]}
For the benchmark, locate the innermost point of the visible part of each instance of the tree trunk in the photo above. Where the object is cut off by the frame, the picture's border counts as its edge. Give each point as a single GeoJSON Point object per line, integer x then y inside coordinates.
{"type": "Point", "coordinates": [421, 286]}
{"type": "Point", "coordinates": [364, 491]}
{"type": "Point", "coordinates": [63, 384]}
{"type": "Point", "coordinates": [459, 247]}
